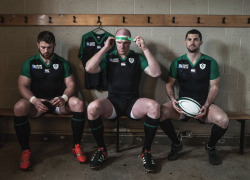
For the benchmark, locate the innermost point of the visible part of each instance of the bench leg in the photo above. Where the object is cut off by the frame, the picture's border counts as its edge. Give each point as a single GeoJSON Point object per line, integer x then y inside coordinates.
{"type": "Point", "coordinates": [117, 134]}
{"type": "Point", "coordinates": [242, 135]}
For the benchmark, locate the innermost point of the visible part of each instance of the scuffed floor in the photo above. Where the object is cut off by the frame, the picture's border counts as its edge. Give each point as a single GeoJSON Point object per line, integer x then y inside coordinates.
{"type": "Point", "coordinates": [53, 160]}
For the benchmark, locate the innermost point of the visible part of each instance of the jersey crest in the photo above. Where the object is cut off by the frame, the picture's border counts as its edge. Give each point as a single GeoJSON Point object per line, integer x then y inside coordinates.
{"type": "Point", "coordinates": [55, 66]}
{"type": "Point", "coordinates": [202, 66]}
{"type": "Point", "coordinates": [131, 60]}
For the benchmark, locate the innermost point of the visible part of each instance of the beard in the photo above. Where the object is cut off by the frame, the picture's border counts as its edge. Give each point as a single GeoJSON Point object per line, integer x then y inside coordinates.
{"type": "Point", "coordinates": [193, 50]}
{"type": "Point", "coordinates": [46, 55]}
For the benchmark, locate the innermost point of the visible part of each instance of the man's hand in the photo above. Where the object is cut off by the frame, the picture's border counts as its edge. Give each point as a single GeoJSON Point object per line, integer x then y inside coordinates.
{"type": "Point", "coordinates": [174, 102]}
{"type": "Point", "coordinates": [203, 111]}
{"type": "Point", "coordinates": [57, 102]}
{"type": "Point", "coordinates": [109, 43]}
{"type": "Point", "coordinates": [41, 108]}
{"type": "Point", "coordinates": [140, 43]}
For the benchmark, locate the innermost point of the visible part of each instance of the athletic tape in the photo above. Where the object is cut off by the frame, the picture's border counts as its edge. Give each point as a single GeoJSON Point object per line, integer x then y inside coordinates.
{"type": "Point", "coordinates": [65, 97]}
{"type": "Point", "coordinates": [32, 99]}
{"type": "Point", "coordinates": [123, 38]}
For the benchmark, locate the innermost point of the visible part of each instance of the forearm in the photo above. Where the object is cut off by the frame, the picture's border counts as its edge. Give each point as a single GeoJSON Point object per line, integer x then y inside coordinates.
{"type": "Point", "coordinates": [153, 65]}
{"type": "Point", "coordinates": [92, 65]}
{"type": "Point", "coordinates": [25, 92]}
{"type": "Point", "coordinates": [212, 94]}
{"type": "Point", "coordinates": [170, 92]}
{"type": "Point", "coordinates": [69, 91]}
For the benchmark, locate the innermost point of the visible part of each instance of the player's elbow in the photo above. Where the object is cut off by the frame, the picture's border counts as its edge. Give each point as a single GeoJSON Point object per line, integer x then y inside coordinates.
{"type": "Point", "coordinates": [89, 68]}
{"type": "Point", "coordinates": [156, 74]}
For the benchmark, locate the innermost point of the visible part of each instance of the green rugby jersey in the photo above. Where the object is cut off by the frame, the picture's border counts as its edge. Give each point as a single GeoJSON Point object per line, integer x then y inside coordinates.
{"type": "Point", "coordinates": [92, 43]}
{"type": "Point", "coordinates": [124, 75]}
{"type": "Point", "coordinates": [47, 81]}
{"type": "Point", "coordinates": [194, 79]}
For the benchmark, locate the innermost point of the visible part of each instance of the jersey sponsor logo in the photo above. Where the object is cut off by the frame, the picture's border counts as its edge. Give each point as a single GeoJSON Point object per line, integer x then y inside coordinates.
{"type": "Point", "coordinates": [202, 66]}
{"type": "Point", "coordinates": [115, 60]}
{"type": "Point", "coordinates": [55, 66]}
{"type": "Point", "coordinates": [183, 66]}
{"type": "Point", "coordinates": [90, 43]}
{"type": "Point", "coordinates": [99, 47]}
{"type": "Point", "coordinates": [193, 70]}
{"type": "Point", "coordinates": [123, 64]}
{"type": "Point", "coordinates": [131, 60]}
{"type": "Point", "coordinates": [46, 71]}
{"type": "Point", "coordinates": [37, 66]}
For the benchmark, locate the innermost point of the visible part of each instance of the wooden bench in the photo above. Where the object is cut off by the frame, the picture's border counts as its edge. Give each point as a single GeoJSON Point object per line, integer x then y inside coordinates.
{"type": "Point", "coordinates": [240, 117]}
{"type": "Point", "coordinates": [10, 113]}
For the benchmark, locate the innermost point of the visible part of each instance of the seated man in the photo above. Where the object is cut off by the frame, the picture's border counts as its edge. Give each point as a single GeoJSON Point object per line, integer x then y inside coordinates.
{"type": "Point", "coordinates": [198, 77]}
{"type": "Point", "coordinates": [124, 68]}
{"type": "Point", "coordinates": [47, 85]}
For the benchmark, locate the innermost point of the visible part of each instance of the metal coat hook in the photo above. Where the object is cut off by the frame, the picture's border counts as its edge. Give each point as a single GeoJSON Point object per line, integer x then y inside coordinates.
{"type": "Point", "coordinates": [123, 19]}
{"type": "Point", "coordinates": [173, 20]}
{"type": "Point", "coordinates": [2, 19]}
{"type": "Point", "coordinates": [248, 20]}
{"type": "Point", "coordinates": [50, 19]}
{"type": "Point", "coordinates": [148, 19]}
{"type": "Point", "coordinates": [98, 21]}
{"type": "Point", "coordinates": [74, 19]}
{"type": "Point", "coordinates": [224, 20]}
{"type": "Point", "coordinates": [25, 19]}
{"type": "Point", "coordinates": [199, 20]}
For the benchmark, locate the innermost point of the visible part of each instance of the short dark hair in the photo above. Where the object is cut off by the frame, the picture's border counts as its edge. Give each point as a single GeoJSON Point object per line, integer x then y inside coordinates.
{"type": "Point", "coordinates": [194, 31]}
{"type": "Point", "coordinates": [47, 37]}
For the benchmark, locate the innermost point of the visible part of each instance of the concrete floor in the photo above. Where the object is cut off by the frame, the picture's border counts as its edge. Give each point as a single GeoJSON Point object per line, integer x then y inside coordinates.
{"type": "Point", "coordinates": [53, 160]}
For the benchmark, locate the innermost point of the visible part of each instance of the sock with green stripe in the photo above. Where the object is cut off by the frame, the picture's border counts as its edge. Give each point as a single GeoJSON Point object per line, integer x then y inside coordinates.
{"type": "Point", "coordinates": [77, 124]}
{"type": "Point", "coordinates": [22, 127]}
{"type": "Point", "coordinates": [97, 130]}
{"type": "Point", "coordinates": [150, 128]}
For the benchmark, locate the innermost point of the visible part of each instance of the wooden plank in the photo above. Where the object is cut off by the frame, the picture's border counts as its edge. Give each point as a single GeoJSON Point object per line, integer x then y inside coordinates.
{"type": "Point", "coordinates": [207, 20]}
{"type": "Point", "coordinates": [231, 115]}
{"type": "Point", "coordinates": [10, 112]}
{"type": "Point", "coordinates": [137, 20]}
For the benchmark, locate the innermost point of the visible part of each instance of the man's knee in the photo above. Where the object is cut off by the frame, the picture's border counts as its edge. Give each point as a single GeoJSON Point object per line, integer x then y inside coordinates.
{"type": "Point", "coordinates": [76, 104]}
{"type": "Point", "coordinates": [168, 112]}
{"type": "Point", "coordinates": [93, 110]}
{"type": "Point", "coordinates": [222, 121]}
{"type": "Point", "coordinates": [154, 109]}
{"type": "Point", "coordinates": [21, 108]}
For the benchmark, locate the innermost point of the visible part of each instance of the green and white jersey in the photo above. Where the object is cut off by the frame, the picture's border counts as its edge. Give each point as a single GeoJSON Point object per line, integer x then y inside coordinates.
{"type": "Point", "coordinates": [47, 81]}
{"type": "Point", "coordinates": [124, 75]}
{"type": "Point", "coordinates": [194, 79]}
{"type": "Point", "coordinates": [92, 43]}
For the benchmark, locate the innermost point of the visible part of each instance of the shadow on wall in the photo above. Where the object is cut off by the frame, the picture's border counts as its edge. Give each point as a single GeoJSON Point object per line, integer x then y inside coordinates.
{"type": "Point", "coordinates": [155, 88]}
{"type": "Point", "coordinates": [233, 82]}
{"type": "Point", "coordinates": [243, 83]}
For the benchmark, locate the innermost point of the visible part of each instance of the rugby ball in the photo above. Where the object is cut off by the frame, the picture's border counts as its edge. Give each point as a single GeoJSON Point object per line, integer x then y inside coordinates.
{"type": "Point", "coordinates": [189, 106]}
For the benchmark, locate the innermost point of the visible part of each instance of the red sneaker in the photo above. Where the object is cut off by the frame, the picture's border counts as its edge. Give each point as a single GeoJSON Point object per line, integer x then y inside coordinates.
{"type": "Point", "coordinates": [25, 160]}
{"type": "Point", "coordinates": [78, 152]}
